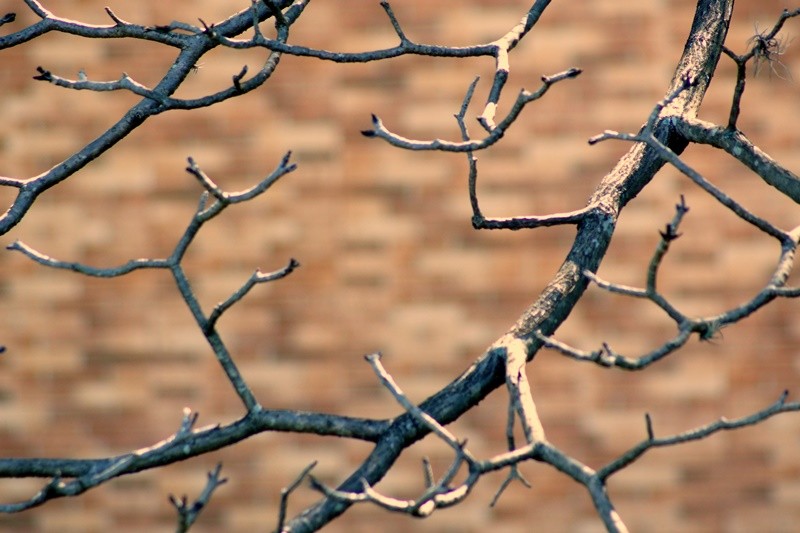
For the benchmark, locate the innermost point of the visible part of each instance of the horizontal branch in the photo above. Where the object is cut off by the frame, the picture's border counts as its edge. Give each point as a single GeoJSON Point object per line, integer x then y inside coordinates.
{"type": "Point", "coordinates": [184, 444]}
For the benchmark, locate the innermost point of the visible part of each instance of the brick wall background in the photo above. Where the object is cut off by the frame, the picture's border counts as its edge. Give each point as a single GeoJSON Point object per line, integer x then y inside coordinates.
{"type": "Point", "coordinates": [390, 262]}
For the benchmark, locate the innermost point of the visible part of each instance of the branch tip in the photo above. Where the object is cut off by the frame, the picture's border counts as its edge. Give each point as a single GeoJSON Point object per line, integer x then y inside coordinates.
{"type": "Point", "coordinates": [118, 21]}
{"type": "Point", "coordinates": [648, 421]}
{"type": "Point", "coordinates": [373, 358]}
{"type": "Point", "coordinates": [44, 74]}
{"type": "Point", "coordinates": [237, 78]}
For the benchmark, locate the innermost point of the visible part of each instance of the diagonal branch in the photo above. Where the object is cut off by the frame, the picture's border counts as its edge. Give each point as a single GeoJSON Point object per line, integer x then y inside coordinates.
{"type": "Point", "coordinates": [623, 183]}
{"type": "Point", "coordinates": [739, 146]}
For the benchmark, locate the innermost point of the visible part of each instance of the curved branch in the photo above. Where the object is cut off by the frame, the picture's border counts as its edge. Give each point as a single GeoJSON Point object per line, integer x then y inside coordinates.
{"type": "Point", "coordinates": [616, 189]}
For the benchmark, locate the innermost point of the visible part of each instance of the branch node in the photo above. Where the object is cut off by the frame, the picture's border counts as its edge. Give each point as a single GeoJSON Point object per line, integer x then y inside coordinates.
{"type": "Point", "coordinates": [237, 78]}
{"type": "Point", "coordinates": [117, 21]}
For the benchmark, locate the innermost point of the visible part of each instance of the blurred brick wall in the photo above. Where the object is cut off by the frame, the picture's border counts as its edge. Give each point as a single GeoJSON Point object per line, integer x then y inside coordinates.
{"type": "Point", "coordinates": [390, 262]}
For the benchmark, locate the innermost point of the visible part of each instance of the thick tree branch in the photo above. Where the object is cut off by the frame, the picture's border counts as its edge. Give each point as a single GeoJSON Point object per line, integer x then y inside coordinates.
{"type": "Point", "coordinates": [623, 183]}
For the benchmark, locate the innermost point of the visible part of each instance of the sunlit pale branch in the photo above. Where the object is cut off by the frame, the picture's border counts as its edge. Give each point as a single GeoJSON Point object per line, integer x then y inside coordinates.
{"type": "Point", "coordinates": [472, 161]}
{"type": "Point", "coordinates": [207, 183]}
{"type": "Point", "coordinates": [616, 288]}
{"type": "Point", "coordinates": [595, 481]}
{"type": "Point", "coordinates": [440, 497]}
{"type": "Point", "coordinates": [113, 16]}
{"type": "Point", "coordinates": [440, 494]}
{"type": "Point", "coordinates": [187, 423]}
{"type": "Point", "coordinates": [513, 470]}
{"type": "Point", "coordinates": [188, 513]}
{"type": "Point", "coordinates": [723, 424]}
{"type": "Point", "coordinates": [519, 390]}
{"type": "Point", "coordinates": [38, 8]}
{"type": "Point", "coordinates": [504, 45]}
{"type": "Point", "coordinates": [437, 494]}
{"type": "Point", "coordinates": [525, 97]}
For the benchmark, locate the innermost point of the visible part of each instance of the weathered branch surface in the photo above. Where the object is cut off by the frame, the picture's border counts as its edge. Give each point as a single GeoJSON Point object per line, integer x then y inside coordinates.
{"type": "Point", "coordinates": [672, 125]}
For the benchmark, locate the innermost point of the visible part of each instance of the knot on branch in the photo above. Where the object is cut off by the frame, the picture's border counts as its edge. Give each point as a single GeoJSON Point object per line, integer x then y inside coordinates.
{"type": "Point", "coordinates": [708, 330]}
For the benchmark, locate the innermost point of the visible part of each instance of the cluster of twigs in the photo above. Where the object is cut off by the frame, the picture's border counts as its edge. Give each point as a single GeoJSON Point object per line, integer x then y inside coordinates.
{"type": "Point", "coordinates": [671, 125]}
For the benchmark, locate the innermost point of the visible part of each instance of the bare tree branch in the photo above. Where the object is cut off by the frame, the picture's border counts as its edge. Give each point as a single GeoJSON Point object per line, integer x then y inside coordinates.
{"type": "Point", "coordinates": [670, 127]}
{"type": "Point", "coordinates": [188, 513]}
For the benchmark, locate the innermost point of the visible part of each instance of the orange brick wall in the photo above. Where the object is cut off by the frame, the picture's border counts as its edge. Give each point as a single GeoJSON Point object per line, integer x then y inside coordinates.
{"type": "Point", "coordinates": [390, 262]}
